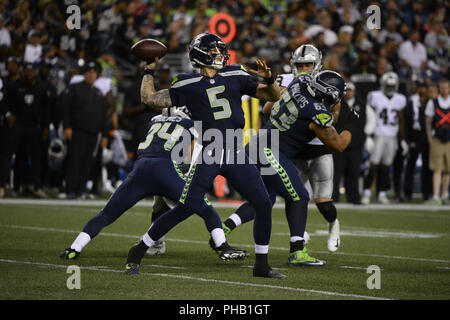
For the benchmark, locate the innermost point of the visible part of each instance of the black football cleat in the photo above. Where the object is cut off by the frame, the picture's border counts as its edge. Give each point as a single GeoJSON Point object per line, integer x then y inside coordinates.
{"type": "Point", "coordinates": [226, 252]}
{"type": "Point", "coordinates": [69, 254]}
{"type": "Point", "coordinates": [267, 272]}
{"type": "Point", "coordinates": [131, 269]}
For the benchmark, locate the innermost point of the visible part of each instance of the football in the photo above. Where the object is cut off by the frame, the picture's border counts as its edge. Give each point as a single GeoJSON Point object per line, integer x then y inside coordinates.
{"type": "Point", "coordinates": [148, 49]}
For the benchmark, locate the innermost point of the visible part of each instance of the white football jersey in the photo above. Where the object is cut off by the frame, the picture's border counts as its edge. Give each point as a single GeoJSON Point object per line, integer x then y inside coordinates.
{"type": "Point", "coordinates": [283, 80]}
{"type": "Point", "coordinates": [387, 111]}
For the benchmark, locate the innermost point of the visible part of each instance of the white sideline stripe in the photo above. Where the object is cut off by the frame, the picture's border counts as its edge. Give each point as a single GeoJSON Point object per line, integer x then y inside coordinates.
{"type": "Point", "coordinates": [240, 245]}
{"type": "Point", "coordinates": [218, 204]}
{"type": "Point", "coordinates": [236, 283]}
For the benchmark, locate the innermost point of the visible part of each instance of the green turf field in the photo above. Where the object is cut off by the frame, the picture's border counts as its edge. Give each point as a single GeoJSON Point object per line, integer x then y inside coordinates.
{"type": "Point", "coordinates": [411, 247]}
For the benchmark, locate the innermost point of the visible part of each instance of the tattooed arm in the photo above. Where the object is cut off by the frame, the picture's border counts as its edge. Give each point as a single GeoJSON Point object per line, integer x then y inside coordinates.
{"type": "Point", "coordinates": [156, 100]}
{"type": "Point", "coordinates": [330, 137]}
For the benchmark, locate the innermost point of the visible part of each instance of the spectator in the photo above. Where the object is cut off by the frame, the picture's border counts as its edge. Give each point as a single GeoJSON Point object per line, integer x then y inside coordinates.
{"type": "Point", "coordinates": [5, 36]}
{"type": "Point", "coordinates": [348, 8]}
{"type": "Point", "coordinates": [390, 31]}
{"type": "Point", "coordinates": [127, 35]}
{"type": "Point", "coordinates": [363, 75]}
{"type": "Point", "coordinates": [439, 59]}
{"type": "Point", "coordinates": [27, 116]}
{"type": "Point", "coordinates": [68, 43]}
{"type": "Point", "coordinates": [413, 55]}
{"type": "Point", "coordinates": [330, 37]}
{"type": "Point", "coordinates": [431, 38]}
{"type": "Point", "coordinates": [438, 132]}
{"type": "Point", "coordinates": [33, 49]}
{"type": "Point", "coordinates": [21, 13]}
{"type": "Point", "coordinates": [110, 20]}
{"type": "Point", "coordinates": [348, 55]}
{"type": "Point", "coordinates": [297, 36]}
{"type": "Point", "coordinates": [84, 118]}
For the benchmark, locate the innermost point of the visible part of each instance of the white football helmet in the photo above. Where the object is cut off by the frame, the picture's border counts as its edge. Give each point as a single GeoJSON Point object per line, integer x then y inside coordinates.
{"type": "Point", "coordinates": [306, 53]}
{"type": "Point", "coordinates": [389, 83]}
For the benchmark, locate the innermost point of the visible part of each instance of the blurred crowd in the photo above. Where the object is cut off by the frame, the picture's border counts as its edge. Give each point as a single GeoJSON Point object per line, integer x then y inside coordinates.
{"type": "Point", "coordinates": [40, 52]}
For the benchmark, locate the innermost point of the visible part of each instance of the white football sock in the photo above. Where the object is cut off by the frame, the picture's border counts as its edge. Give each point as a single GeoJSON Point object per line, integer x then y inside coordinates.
{"type": "Point", "coordinates": [261, 249]}
{"type": "Point", "coordinates": [81, 241]}
{"type": "Point", "coordinates": [236, 219]}
{"type": "Point", "coordinates": [218, 236]}
{"type": "Point", "coordinates": [147, 240]}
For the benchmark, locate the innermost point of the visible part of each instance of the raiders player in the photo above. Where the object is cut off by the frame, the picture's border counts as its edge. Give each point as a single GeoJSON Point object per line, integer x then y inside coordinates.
{"type": "Point", "coordinates": [387, 105]}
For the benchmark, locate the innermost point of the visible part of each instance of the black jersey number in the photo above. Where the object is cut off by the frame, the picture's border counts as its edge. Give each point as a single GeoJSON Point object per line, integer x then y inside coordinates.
{"type": "Point", "coordinates": [389, 117]}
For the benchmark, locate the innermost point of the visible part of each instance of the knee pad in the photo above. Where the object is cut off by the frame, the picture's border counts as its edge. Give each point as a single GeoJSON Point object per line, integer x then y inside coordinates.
{"type": "Point", "coordinates": [328, 210]}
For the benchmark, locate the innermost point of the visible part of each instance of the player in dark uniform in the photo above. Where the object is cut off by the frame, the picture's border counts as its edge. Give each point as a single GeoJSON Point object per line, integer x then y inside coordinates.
{"type": "Point", "coordinates": [302, 113]}
{"type": "Point", "coordinates": [155, 173]}
{"type": "Point", "coordinates": [214, 98]}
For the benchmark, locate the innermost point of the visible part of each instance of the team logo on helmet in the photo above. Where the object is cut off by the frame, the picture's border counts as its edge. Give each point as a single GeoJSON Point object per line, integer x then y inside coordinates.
{"type": "Point", "coordinates": [204, 50]}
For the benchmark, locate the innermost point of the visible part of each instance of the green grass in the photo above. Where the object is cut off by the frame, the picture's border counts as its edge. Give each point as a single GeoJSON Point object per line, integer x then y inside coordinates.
{"type": "Point", "coordinates": [32, 236]}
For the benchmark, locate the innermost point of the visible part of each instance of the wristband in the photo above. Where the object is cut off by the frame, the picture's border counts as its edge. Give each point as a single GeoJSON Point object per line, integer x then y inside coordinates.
{"type": "Point", "coordinates": [149, 71]}
{"type": "Point", "coordinates": [270, 80]}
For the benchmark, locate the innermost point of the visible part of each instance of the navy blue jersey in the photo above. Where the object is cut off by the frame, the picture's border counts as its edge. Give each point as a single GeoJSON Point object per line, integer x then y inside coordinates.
{"type": "Point", "coordinates": [293, 113]}
{"type": "Point", "coordinates": [164, 133]}
{"type": "Point", "coordinates": [215, 101]}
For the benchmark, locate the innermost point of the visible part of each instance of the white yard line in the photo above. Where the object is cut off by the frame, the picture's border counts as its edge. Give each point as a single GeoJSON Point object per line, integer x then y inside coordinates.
{"type": "Point", "coordinates": [221, 282]}
{"type": "Point", "coordinates": [356, 268]}
{"type": "Point", "coordinates": [374, 234]}
{"type": "Point", "coordinates": [108, 234]}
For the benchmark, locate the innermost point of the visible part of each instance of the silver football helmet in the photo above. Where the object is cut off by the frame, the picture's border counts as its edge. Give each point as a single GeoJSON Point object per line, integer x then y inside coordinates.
{"type": "Point", "coordinates": [389, 83]}
{"type": "Point", "coordinates": [306, 53]}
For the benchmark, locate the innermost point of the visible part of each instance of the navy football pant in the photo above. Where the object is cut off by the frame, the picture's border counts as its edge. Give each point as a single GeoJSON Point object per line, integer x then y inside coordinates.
{"type": "Point", "coordinates": [150, 176]}
{"type": "Point", "coordinates": [286, 183]}
{"type": "Point", "coordinates": [245, 178]}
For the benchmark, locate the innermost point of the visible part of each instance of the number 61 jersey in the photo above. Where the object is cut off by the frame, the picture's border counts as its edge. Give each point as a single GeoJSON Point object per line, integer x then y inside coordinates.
{"type": "Point", "coordinates": [215, 101]}
{"type": "Point", "coordinates": [387, 112]}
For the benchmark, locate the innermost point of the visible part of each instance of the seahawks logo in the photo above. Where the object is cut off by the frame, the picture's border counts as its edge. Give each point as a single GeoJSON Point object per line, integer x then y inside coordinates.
{"type": "Point", "coordinates": [324, 118]}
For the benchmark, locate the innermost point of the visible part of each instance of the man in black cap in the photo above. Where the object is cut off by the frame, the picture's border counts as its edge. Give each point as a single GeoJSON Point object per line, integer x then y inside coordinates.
{"type": "Point", "coordinates": [84, 111]}
{"type": "Point", "coordinates": [27, 125]}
